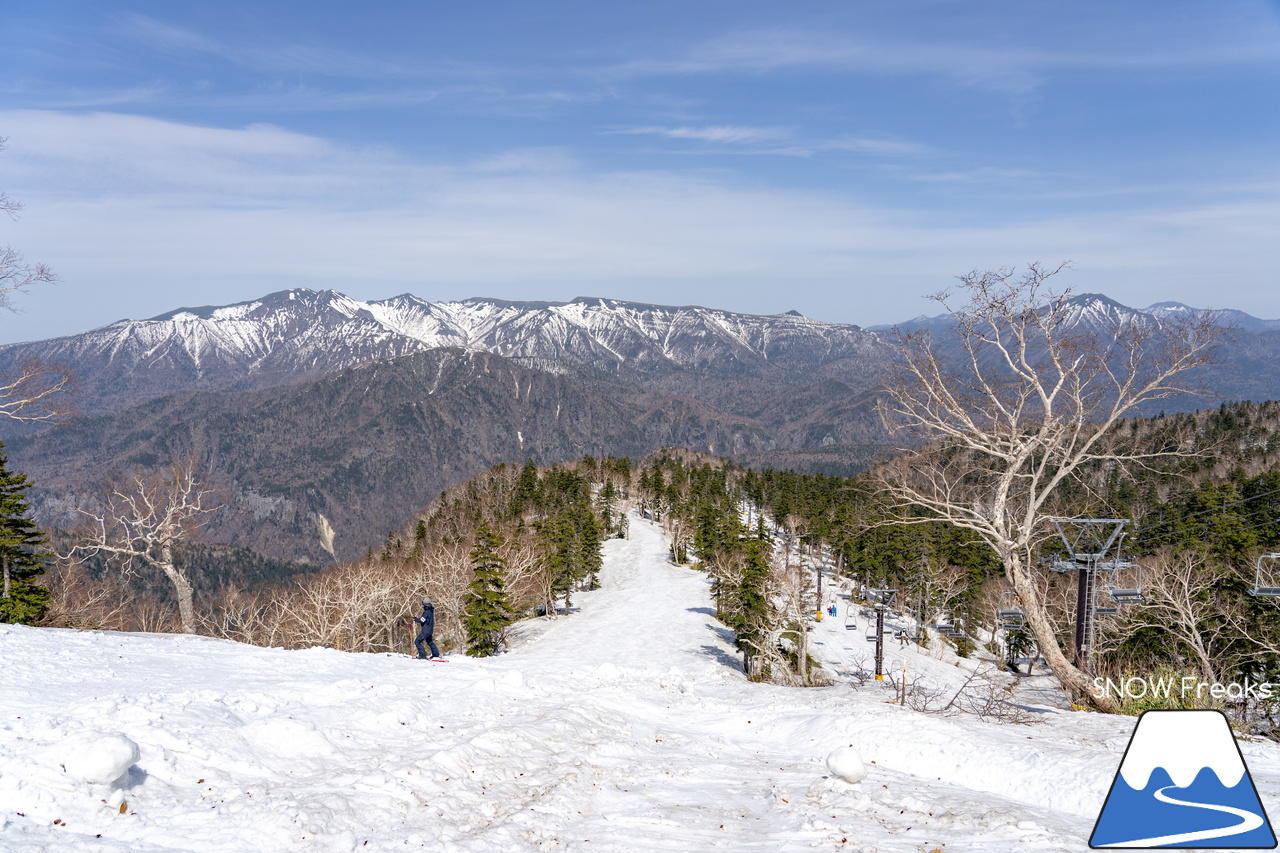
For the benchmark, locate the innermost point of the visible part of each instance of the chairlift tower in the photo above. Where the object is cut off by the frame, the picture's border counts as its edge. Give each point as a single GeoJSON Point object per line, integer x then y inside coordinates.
{"type": "Point", "coordinates": [882, 599]}
{"type": "Point", "coordinates": [1089, 541]}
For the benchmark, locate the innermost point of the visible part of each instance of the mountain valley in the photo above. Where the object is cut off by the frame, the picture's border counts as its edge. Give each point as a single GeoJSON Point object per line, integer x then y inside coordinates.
{"type": "Point", "coordinates": [313, 410]}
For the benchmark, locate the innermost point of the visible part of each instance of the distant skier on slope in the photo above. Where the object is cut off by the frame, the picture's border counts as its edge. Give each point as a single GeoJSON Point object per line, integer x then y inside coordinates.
{"type": "Point", "coordinates": [426, 629]}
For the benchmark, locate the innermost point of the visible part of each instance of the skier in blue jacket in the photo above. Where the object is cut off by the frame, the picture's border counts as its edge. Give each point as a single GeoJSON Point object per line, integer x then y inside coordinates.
{"type": "Point", "coordinates": [426, 628]}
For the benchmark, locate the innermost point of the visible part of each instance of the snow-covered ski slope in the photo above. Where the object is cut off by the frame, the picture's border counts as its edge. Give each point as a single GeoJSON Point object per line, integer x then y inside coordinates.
{"type": "Point", "coordinates": [625, 727]}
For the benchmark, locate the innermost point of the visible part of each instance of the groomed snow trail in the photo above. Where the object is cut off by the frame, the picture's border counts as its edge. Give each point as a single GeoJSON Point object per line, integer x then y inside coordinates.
{"type": "Point", "coordinates": [626, 726]}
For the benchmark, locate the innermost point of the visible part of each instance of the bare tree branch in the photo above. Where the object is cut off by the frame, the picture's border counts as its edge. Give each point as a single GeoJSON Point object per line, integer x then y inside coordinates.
{"type": "Point", "coordinates": [1023, 408]}
{"type": "Point", "coordinates": [143, 517]}
{"type": "Point", "coordinates": [32, 392]}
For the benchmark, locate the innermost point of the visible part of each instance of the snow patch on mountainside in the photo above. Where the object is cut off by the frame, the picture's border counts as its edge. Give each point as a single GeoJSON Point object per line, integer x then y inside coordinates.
{"type": "Point", "coordinates": [296, 333]}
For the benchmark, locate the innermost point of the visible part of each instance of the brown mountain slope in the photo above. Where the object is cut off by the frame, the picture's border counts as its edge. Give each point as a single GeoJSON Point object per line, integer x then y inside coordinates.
{"type": "Point", "coordinates": [363, 449]}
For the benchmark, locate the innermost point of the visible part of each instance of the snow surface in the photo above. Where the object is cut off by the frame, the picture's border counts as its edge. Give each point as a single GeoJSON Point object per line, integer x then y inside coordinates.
{"type": "Point", "coordinates": [627, 726]}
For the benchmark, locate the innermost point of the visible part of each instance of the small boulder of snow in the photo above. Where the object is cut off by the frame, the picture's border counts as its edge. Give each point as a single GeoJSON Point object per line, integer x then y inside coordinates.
{"type": "Point", "coordinates": [97, 758]}
{"type": "Point", "coordinates": [846, 763]}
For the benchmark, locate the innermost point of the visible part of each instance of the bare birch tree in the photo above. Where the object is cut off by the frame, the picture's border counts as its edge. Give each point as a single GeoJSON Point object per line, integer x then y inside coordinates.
{"type": "Point", "coordinates": [30, 391]}
{"type": "Point", "coordinates": [145, 516]}
{"type": "Point", "coordinates": [1025, 403]}
{"type": "Point", "coordinates": [1185, 602]}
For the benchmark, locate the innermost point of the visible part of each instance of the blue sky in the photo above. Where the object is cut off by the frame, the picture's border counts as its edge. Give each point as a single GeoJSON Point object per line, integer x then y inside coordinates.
{"type": "Point", "coordinates": [839, 158]}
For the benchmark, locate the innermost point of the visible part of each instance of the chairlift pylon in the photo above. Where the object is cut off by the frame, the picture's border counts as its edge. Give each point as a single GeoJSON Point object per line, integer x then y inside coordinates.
{"type": "Point", "coordinates": [882, 598]}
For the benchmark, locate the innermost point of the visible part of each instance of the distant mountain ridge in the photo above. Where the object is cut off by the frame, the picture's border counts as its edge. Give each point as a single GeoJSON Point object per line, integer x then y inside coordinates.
{"type": "Point", "coordinates": [1091, 308]}
{"type": "Point", "coordinates": [309, 404]}
{"type": "Point", "coordinates": [299, 334]}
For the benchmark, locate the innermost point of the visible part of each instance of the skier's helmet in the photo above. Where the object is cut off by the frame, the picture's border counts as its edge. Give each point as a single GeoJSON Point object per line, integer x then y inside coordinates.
{"type": "Point", "coordinates": [426, 602]}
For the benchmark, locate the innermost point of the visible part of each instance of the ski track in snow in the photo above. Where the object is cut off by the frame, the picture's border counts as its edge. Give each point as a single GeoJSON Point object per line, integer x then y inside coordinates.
{"type": "Point", "coordinates": [627, 726]}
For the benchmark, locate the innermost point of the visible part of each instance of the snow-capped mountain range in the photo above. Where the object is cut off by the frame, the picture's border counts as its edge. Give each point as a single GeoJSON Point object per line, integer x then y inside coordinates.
{"type": "Point", "coordinates": [1097, 310]}
{"type": "Point", "coordinates": [1238, 319]}
{"type": "Point", "coordinates": [307, 403]}
{"type": "Point", "coordinates": [297, 334]}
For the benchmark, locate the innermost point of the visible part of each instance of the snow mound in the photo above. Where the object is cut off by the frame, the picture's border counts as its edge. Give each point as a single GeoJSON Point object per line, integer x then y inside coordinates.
{"type": "Point", "coordinates": [846, 763]}
{"type": "Point", "coordinates": [96, 758]}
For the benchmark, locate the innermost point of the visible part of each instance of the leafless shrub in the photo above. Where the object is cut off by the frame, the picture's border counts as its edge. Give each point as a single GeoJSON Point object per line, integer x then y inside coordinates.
{"type": "Point", "coordinates": [985, 693]}
{"type": "Point", "coordinates": [77, 600]}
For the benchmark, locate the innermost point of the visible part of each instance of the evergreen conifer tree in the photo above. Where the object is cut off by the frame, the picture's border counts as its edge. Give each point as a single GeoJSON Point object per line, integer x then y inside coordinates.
{"type": "Point", "coordinates": [591, 554]}
{"type": "Point", "coordinates": [526, 491]}
{"type": "Point", "coordinates": [487, 612]}
{"type": "Point", "coordinates": [21, 554]}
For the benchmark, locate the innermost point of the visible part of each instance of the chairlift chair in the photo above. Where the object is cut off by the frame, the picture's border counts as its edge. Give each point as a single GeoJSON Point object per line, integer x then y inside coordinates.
{"type": "Point", "coordinates": [1258, 590]}
{"type": "Point", "coordinates": [950, 629]}
{"type": "Point", "coordinates": [850, 620]}
{"type": "Point", "coordinates": [1010, 617]}
{"type": "Point", "coordinates": [1129, 596]}
{"type": "Point", "coordinates": [1105, 610]}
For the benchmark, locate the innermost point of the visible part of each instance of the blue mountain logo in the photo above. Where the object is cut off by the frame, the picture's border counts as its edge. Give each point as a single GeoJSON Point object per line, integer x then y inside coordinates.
{"type": "Point", "coordinates": [1183, 783]}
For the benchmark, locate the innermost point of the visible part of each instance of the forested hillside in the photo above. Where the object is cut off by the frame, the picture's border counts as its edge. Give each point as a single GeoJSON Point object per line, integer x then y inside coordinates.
{"type": "Point", "coordinates": [1198, 524]}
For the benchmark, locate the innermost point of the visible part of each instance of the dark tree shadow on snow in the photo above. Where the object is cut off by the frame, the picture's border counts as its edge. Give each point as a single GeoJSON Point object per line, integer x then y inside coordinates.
{"type": "Point", "coordinates": [732, 661]}
{"type": "Point", "coordinates": [725, 634]}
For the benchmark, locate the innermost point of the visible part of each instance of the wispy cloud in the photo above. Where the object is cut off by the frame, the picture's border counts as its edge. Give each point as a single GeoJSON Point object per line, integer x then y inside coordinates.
{"type": "Point", "coordinates": [868, 145]}
{"type": "Point", "coordinates": [1013, 69]}
{"type": "Point", "coordinates": [721, 133]}
{"type": "Point", "coordinates": [274, 55]}
{"type": "Point", "coordinates": [140, 215]}
{"type": "Point", "coordinates": [778, 140]}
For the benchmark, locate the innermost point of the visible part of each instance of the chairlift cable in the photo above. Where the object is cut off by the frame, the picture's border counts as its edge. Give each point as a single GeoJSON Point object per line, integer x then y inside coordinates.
{"type": "Point", "coordinates": [1205, 525]}
{"type": "Point", "coordinates": [1173, 521]}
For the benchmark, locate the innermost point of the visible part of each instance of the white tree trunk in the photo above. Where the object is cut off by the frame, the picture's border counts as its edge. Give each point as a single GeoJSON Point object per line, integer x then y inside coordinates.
{"type": "Point", "coordinates": [182, 587]}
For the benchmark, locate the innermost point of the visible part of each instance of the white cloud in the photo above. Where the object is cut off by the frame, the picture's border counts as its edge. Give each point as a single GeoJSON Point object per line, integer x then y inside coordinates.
{"type": "Point", "coordinates": [141, 215]}
{"type": "Point", "coordinates": [721, 133]}
{"type": "Point", "coordinates": [765, 140]}
{"type": "Point", "coordinates": [977, 61]}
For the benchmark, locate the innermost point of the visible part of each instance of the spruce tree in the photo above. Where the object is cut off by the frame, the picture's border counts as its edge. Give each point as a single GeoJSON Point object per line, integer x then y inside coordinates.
{"type": "Point", "coordinates": [487, 612]}
{"type": "Point", "coordinates": [526, 490]}
{"type": "Point", "coordinates": [560, 541]}
{"type": "Point", "coordinates": [21, 551]}
{"type": "Point", "coordinates": [590, 552]}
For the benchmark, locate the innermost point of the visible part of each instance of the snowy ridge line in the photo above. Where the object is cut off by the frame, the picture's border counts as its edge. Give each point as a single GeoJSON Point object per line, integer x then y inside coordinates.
{"type": "Point", "coordinates": [253, 329]}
